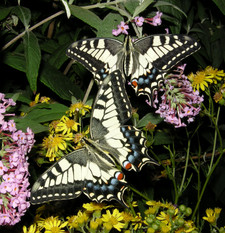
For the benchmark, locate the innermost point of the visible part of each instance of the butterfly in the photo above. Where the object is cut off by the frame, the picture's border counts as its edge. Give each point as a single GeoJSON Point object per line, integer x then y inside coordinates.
{"type": "Point", "coordinates": [93, 169]}
{"type": "Point", "coordinates": [146, 60]}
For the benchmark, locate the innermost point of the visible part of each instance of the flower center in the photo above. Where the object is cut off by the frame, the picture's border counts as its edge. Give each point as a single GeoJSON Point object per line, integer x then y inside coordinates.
{"type": "Point", "coordinates": [113, 220]}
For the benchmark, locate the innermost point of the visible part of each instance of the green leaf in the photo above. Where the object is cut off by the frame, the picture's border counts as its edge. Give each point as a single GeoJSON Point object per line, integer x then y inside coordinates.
{"type": "Point", "coordinates": [150, 117]}
{"type": "Point", "coordinates": [24, 15]}
{"type": "Point", "coordinates": [221, 5]}
{"type": "Point", "coordinates": [58, 57]}
{"type": "Point", "coordinates": [162, 138]}
{"type": "Point", "coordinates": [86, 16]}
{"type": "Point", "coordinates": [131, 5]}
{"type": "Point", "coordinates": [166, 4]}
{"type": "Point", "coordinates": [172, 8]}
{"type": "Point", "coordinates": [46, 112]}
{"type": "Point", "coordinates": [33, 58]}
{"type": "Point", "coordinates": [142, 7]}
{"type": "Point", "coordinates": [4, 12]}
{"type": "Point", "coordinates": [38, 114]}
{"type": "Point", "coordinates": [23, 124]}
{"type": "Point", "coordinates": [59, 83]}
{"type": "Point", "coordinates": [110, 22]}
{"type": "Point", "coordinates": [15, 60]}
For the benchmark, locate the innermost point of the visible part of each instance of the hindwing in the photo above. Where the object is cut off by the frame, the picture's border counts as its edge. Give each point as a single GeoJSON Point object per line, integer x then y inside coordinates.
{"type": "Point", "coordinates": [111, 110]}
{"type": "Point", "coordinates": [80, 171]}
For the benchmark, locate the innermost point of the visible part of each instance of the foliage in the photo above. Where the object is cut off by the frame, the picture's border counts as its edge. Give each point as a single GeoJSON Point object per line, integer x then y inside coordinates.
{"type": "Point", "coordinates": [34, 38]}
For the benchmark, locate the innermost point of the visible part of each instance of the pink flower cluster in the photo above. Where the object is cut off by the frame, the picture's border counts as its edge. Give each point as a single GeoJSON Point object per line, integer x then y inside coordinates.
{"type": "Point", "coordinates": [123, 27]}
{"type": "Point", "coordinates": [180, 104]}
{"type": "Point", "coordinates": [14, 183]}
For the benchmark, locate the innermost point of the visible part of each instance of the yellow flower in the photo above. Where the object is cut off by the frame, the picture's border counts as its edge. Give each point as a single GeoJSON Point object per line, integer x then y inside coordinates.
{"type": "Point", "coordinates": [214, 73]}
{"type": "Point", "coordinates": [127, 217]}
{"type": "Point", "coordinates": [188, 227]}
{"type": "Point", "coordinates": [44, 99]}
{"type": "Point", "coordinates": [163, 217]}
{"type": "Point", "coordinates": [218, 96]}
{"type": "Point", "coordinates": [72, 221]}
{"type": "Point", "coordinates": [165, 228]}
{"type": "Point", "coordinates": [82, 218]}
{"type": "Point", "coordinates": [66, 125]}
{"type": "Point", "coordinates": [200, 80]}
{"type": "Point", "coordinates": [78, 138]}
{"type": "Point", "coordinates": [212, 215]}
{"type": "Point", "coordinates": [107, 227]}
{"type": "Point", "coordinates": [93, 206]}
{"type": "Point", "coordinates": [78, 108]}
{"type": "Point", "coordinates": [53, 225]}
{"type": "Point", "coordinates": [31, 229]}
{"type": "Point", "coordinates": [52, 126]}
{"type": "Point", "coordinates": [150, 230]}
{"type": "Point", "coordinates": [151, 210]}
{"type": "Point", "coordinates": [137, 221]}
{"type": "Point", "coordinates": [37, 99]}
{"type": "Point", "coordinates": [113, 220]}
{"type": "Point", "coordinates": [54, 143]}
{"type": "Point", "coordinates": [94, 224]}
{"type": "Point", "coordinates": [78, 220]}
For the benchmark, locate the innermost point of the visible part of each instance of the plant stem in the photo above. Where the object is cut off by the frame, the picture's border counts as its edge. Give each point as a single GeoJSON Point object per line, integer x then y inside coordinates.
{"type": "Point", "coordinates": [139, 193]}
{"type": "Point", "coordinates": [214, 143]}
{"type": "Point", "coordinates": [98, 5]}
{"type": "Point", "coordinates": [185, 168]}
{"type": "Point", "coordinates": [32, 28]}
{"type": "Point", "coordinates": [88, 91]}
{"type": "Point", "coordinates": [212, 166]}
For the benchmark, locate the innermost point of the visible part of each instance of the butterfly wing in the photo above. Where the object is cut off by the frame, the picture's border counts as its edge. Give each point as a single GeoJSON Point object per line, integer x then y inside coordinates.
{"type": "Point", "coordinates": [100, 56]}
{"type": "Point", "coordinates": [154, 55]}
{"type": "Point", "coordinates": [111, 110]}
{"type": "Point", "coordinates": [80, 171]}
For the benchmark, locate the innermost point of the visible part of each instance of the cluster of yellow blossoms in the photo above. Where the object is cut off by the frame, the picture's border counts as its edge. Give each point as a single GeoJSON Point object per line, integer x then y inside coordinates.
{"type": "Point", "coordinates": [155, 217]}
{"type": "Point", "coordinates": [208, 77]}
{"type": "Point", "coordinates": [65, 134]}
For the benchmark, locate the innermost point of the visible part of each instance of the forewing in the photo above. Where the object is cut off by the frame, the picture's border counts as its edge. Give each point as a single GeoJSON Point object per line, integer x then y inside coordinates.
{"type": "Point", "coordinates": [154, 56]}
{"type": "Point", "coordinates": [112, 107]}
{"type": "Point", "coordinates": [100, 56]}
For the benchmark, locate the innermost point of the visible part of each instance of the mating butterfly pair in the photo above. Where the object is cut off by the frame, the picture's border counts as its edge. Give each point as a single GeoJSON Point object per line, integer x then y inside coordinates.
{"type": "Point", "coordinates": [92, 169]}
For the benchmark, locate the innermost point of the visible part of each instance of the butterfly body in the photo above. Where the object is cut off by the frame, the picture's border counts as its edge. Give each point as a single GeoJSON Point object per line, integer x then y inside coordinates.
{"type": "Point", "coordinates": [93, 169]}
{"type": "Point", "coordinates": [146, 60]}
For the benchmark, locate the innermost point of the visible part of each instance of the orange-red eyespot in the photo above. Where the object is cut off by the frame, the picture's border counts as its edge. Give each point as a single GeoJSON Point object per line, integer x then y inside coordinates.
{"type": "Point", "coordinates": [134, 83]}
{"type": "Point", "coordinates": [119, 175]}
{"type": "Point", "coordinates": [127, 165]}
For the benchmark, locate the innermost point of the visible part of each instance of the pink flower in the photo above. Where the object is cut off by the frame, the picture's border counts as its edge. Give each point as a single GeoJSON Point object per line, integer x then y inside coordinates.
{"type": "Point", "coordinates": [13, 167]}
{"type": "Point", "coordinates": [3, 168]}
{"type": "Point", "coordinates": [122, 28]}
{"type": "Point", "coordinates": [139, 21]}
{"type": "Point", "coordinates": [11, 126]}
{"type": "Point", "coordinates": [179, 103]}
{"type": "Point", "coordinates": [4, 219]}
{"type": "Point", "coordinates": [157, 19]}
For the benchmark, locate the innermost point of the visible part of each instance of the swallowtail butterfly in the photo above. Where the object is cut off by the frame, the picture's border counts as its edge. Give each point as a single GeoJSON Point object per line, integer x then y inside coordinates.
{"type": "Point", "coordinates": [92, 170]}
{"type": "Point", "coordinates": [145, 60]}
